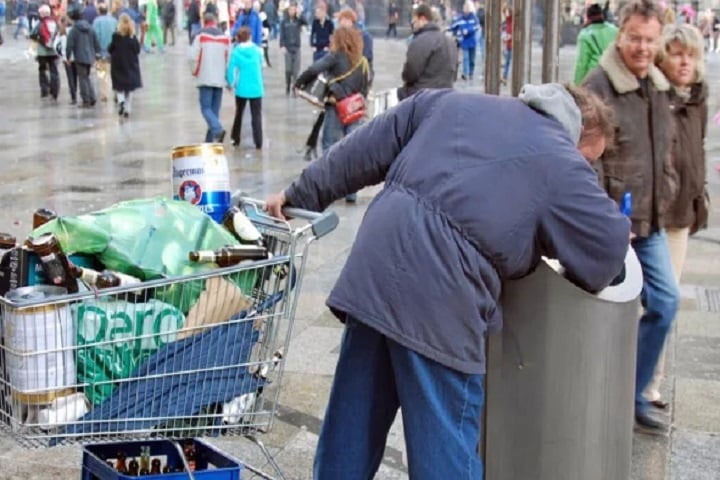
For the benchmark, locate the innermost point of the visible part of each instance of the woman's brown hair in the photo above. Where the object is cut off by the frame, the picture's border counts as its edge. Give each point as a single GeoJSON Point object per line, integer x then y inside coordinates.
{"type": "Point", "coordinates": [349, 41]}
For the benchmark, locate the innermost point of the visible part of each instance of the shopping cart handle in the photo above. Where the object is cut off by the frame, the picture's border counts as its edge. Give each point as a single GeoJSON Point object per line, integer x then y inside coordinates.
{"type": "Point", "coordinates": [321, 223]}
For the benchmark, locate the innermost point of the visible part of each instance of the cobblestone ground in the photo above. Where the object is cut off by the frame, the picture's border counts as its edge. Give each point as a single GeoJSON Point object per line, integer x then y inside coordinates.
{"type": "Point", "coordinates": [75, 161]}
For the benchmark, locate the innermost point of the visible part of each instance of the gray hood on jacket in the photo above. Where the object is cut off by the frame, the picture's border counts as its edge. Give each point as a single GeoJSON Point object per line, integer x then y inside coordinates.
{"type": "Point", "coordinates": [553, 100]}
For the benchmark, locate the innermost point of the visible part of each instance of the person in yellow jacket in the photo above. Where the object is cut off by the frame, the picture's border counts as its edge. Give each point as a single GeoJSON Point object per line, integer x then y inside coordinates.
{"type": "Point", "coordinates": [154, 29]}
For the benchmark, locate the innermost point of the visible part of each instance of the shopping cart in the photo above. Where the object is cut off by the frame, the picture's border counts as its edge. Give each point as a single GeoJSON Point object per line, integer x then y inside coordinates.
{"type": "Point", "coordinates": [197, 355]}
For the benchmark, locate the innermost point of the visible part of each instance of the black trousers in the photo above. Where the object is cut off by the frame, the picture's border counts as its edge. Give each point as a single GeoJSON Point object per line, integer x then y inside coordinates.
{"type": "Point", "coordinates": [256, 114]}
{"type": "Point", "coordinates": [48, 85]}
{"type": "Point", "coordinates": [312, 140]}
{"type": "Point", "coordinates": [71, 73]}
{"type": "Point", "coordinates": [87, 92]}
{"type": "Point", "coordinates": [392, 27]}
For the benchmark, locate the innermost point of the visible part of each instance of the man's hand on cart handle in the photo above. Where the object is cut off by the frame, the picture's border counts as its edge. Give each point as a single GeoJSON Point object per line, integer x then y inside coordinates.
{"type": "Point", "coordinates": [274, 205]}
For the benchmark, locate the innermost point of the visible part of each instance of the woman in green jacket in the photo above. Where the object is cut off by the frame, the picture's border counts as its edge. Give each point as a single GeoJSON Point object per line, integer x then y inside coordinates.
{"type": "Point", "coordinates": [592, 41]}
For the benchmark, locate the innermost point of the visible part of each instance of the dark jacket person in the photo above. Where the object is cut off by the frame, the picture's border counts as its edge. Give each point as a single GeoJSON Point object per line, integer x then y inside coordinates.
{"type": "Point", "coordinates": [431, 57]}
{"type": "Point", "coordinates": [467, 203]}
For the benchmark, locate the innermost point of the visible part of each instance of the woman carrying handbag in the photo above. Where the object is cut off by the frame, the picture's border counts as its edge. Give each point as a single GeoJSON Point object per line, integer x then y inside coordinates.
{"type": "Point", "coordinates": [349, 80]}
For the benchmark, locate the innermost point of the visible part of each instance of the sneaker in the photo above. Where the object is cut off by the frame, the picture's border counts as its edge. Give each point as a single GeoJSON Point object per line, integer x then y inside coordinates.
{"type": "Point", "coordinates": [648, 424]}
{"type": "Point", "coordinates": [126, 114]}
{"type": "Point", "coordinates": [220, 137]}
{"type": "Point", "coordinates": [121, 108]}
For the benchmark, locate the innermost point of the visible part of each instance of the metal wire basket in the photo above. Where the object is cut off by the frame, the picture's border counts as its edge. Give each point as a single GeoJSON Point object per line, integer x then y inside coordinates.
{"type": "Point", "coordinates": [172, 358]}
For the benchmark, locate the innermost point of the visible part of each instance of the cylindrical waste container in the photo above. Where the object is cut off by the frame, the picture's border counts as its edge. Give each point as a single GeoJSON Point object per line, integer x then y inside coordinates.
{"type": "Point", "coordinates": [561, 379]}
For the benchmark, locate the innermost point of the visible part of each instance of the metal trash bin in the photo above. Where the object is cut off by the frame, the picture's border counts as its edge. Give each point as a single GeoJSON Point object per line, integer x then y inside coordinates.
{"type": "Point", "coordinates": [561, 379]}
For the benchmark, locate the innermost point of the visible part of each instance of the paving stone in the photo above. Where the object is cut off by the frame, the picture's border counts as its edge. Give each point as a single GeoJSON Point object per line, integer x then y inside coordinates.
{"type": "Point", "coordinates": [695, 456]}
{"type": "Point", "coordinates": [698, 324]}
{"type": "Point", "coordinates": [698, 357]}
{"type": "Point", "coordinates": [696, 405]}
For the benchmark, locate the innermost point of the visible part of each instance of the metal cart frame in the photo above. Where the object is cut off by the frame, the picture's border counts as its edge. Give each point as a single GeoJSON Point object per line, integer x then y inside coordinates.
{"type": "Point", "coordinates": [213, 364]}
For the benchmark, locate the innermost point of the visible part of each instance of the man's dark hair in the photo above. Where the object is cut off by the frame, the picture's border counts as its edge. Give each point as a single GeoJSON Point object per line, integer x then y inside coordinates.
{"type": "Point", "coordinates": [423, 11]}
{"type": "Point", "coordinates": [595, 13]}
{"type": "Point", "coordinates": [102, 8]}
{"type": "Point", "coordinates": [645, 8]}
{"type": "Point", "coordinates": [597, 117]}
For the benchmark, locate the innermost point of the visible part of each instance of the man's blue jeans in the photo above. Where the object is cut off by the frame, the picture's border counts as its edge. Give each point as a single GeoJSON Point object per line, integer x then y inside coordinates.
{"type": "Point", "coordinates": [468, 61]}
{"type": "Point", "coordinates": [441, 411]}
{"type": "Point", "coordinates": [508, 63]}
{"type": "Point", "coordinates": [210, 101]}
{"type": "Point", "coordinates": [22, 23]}
{"type": "Point", "coordinates": [333, 132]}
{"type": "Point", "coordinates": [660, 298]}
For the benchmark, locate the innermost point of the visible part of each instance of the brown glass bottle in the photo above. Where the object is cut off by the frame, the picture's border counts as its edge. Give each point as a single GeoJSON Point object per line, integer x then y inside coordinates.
{"type": "Point", "coordinates": [43, 216]}
{"type": "Point", "coordinates": [120, 464]}
{"type": "Point", "coordinates": [133, 468]}
{"type": "Point", "coordinates": [144, 472]}
{"type": "Point", "coordinates": [54, 261]}
{"type": "Point", "coordinates": [229, 256]}
{"type": "Point", "coordinates": [104, 279]}
{"type": "Point", "coordinates": [166, 468]}
{"type": "Point", "coordinates": [240, 225]}
{"type": "Point", "coordinates": [155, 468]}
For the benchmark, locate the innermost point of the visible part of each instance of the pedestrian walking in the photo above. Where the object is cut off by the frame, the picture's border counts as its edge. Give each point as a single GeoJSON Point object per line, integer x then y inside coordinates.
{"type": "Point", "coordinates": [465, 29]}
{"type": "Point", "coordinates": [269, 8]}
{"type": "Point", "coordinates": [393, 16]}
{"type": "Point", "coordinates": [70, 70]}
{"type": "Point", "coordinates": [124, 64]}
{"type": "Point", "coordinates": [104, 26]}
{"type": "Point", "coordinates": [83, 49]}
{"type": "Point", "coordinates": [3, 16]}
{"type": "Point", "coordinates": [431, 56]}
{"type": "Point", "coordinates": [244, 76]}
{"type": "Point", "coordinates": [706, 27]}
{"type": "Point", "coordinates": [681, 60]}
{"type": "Point", "coordinates": [168, 22]}
{"type": "Point", "coordinates": [592, 41]}
{"type": "Point", "coordinates": [45, 34]}
{"type": "Point", "coordinates": [290, 30]}
{"type": "Point", "coordinates": [266, 29]}
{"type": "Point", "coordinates": [33, 14]}
{"type": "Point", "coordinates": [208, 55]}
{"type": "Point", "coordinates": [716, 31]}
{"type": "Point", "coordinates": [507, 32]}
{"type": "Point", "coordinates": [348, 75]}
{"type": "Point", "coordinates": [21, 9]}
{"type": "Point", "coordinates": [320, 32]}
{"type": "Point", "coordinates": [248, 17]}
{"type": "Point", "coordinates": [193, 19]}
{"type": "Point", "coordinates": [638, 92]}
{"type": "Point", "coordinates": [346, 18]}
{"type": "Point", "coordinates": [451, 169]}
{"type": "Point", "coordinates": [154, 35]}
{"type": "Point", "coordinates": [90, 12]}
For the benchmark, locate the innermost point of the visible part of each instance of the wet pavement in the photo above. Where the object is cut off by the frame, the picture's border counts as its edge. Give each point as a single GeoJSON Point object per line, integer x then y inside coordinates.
{"type": "Point", "coordinates": [74, 160]}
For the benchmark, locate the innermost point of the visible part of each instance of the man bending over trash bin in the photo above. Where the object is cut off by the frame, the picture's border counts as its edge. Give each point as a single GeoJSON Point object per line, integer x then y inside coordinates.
{"type": "Point", "coordinates": [477, 189]}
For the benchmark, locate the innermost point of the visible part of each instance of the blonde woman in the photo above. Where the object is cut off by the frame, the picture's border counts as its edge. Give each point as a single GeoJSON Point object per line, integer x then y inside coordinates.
{"type": "Point", "coordinates": [124, 65]}
{"type": "Point", "coordinates": [681, 60]}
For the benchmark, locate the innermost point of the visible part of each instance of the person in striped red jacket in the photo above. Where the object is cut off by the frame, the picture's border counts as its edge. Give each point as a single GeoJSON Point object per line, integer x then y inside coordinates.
{"type": "Point", "coordinates": [209, 57]}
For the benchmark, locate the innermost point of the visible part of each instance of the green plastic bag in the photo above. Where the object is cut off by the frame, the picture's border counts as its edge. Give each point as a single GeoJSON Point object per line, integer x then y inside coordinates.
{"type": "Point", "coordinates": [149, 239]}
{"type": "Point", "coordinates": [114, 337]}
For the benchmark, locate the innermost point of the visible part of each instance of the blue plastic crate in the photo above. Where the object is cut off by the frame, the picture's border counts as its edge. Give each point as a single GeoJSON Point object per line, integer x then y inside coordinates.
{"type": "Point", "coordinates": [222, 467]}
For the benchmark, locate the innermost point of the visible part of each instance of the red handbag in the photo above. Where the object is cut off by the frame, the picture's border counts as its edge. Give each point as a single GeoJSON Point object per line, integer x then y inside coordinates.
{"type": "Point", "coordinates": [350, 109]}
